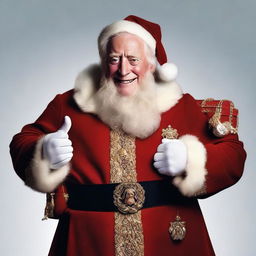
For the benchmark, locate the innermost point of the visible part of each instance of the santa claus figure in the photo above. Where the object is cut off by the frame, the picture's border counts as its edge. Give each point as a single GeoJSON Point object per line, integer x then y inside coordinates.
{"type": "Point", "coordinates": [124, 156]}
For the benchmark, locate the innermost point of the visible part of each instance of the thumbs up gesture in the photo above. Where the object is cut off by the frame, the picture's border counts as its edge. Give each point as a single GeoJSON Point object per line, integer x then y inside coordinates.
{"type": "Point", "coordinates": [57, 147]}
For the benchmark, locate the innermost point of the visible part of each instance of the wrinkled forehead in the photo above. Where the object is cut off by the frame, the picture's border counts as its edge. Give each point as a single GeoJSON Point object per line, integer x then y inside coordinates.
{"type": "Point", "coordinates": [125, 43]}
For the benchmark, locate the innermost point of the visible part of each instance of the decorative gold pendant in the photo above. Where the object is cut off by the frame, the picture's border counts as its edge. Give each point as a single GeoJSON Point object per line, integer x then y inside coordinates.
{"type": "Point", "coordinates": [49, 208]}
{"type": "Point", "coordinates": [177, 229]}
{"type": "Point", "coordinates": [169, 133]}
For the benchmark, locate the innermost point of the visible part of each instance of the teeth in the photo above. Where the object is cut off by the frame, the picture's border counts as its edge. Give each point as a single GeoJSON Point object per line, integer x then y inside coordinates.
{"type": "Point", "coordinates": [125, 81]}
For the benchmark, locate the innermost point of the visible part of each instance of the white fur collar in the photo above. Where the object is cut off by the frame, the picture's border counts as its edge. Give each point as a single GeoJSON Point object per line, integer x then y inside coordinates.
{"type": "Point", "coordinates": [87, 84]}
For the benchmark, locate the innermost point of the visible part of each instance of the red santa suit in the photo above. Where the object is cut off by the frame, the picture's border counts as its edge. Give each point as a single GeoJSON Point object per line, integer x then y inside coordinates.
{"type": "Point", "coordinates": [100, 153]}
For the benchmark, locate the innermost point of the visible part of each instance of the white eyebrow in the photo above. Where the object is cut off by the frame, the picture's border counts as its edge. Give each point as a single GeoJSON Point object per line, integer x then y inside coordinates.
{"type": "Point", "coordinates": [113, 54]}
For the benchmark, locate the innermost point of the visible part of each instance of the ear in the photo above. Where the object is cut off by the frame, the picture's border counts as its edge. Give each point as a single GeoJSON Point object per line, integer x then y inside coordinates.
{"type": "Point", "coordinates": [152, 67]}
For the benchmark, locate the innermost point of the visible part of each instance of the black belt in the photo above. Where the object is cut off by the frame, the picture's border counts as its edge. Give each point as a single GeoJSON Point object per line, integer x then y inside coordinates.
{"type": "Point", "coordinates": [100, 197]}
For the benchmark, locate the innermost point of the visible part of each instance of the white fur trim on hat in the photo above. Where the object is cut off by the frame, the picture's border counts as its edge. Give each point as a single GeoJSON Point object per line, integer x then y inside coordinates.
{"type": "Point", "coordinates": [39, 176]}
{"type": "Point", "coordinates": [167, 72]}
{"type": "Point", "coordinates": [196, 172]}
{"type": "Point", "coordinates": [124, 26]}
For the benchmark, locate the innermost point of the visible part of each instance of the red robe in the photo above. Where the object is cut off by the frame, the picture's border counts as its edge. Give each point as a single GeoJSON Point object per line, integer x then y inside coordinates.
{"type": "Point", "coordinates": [92, 233]}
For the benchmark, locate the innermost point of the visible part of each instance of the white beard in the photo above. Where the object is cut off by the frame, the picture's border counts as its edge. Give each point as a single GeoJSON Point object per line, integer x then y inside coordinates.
{"type": "Point", "coordinates": [137, 115]}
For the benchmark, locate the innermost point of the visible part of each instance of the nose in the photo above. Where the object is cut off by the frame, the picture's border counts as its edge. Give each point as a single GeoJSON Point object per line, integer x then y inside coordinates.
{"type": "Point", "coordinates": [124, 67]}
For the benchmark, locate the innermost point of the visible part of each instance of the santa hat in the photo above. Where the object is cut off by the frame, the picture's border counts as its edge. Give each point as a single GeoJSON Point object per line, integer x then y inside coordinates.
{"type": "Point", "coordinates": [149, 32]}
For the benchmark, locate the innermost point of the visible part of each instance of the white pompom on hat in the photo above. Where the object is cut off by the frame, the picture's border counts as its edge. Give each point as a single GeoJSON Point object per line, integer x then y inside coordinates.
{"type": "Point", "coordinates": [148, 31]}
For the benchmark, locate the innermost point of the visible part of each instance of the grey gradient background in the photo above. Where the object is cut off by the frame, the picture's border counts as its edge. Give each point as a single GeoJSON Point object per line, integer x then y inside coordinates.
{"type": "Point", "coordinates": [44, 44]}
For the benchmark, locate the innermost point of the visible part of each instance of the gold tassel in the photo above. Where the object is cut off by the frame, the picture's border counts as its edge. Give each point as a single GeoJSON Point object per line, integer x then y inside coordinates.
{"type": "Point", "coordinates": [49, 208]}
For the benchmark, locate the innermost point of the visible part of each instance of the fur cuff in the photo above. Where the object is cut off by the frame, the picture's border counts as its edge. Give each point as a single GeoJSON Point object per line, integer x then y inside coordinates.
{"type": "Point", "coordinates": [194, 179]}
{"type": "Point", "coordinates": [39, 176]}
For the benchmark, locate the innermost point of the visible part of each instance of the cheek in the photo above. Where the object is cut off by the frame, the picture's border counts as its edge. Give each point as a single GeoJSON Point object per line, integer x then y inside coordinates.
{"type": "Point", "coordinates": [112, 69]}
{"type": "Point", "coordinates": [141, 70]}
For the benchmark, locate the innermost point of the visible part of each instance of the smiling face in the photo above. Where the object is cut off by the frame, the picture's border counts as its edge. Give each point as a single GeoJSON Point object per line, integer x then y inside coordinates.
{"type": "Point", "coordinates": [127, 63]}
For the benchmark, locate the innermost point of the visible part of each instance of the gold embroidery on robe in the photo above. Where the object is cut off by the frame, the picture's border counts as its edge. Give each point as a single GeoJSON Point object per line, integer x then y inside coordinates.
{"type": "Point", "coordinates": [129, 240]}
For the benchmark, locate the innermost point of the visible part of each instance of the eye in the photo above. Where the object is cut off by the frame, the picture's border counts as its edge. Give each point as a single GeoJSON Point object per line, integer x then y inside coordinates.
{"type": "Point", "coordinates": [114, 60]}
{"type": "Point", "coordinates": [134, 61]}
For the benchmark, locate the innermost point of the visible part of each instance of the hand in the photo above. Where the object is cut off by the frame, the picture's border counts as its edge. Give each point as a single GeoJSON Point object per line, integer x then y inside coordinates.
{"type": "Point", "coordinates": [57, 148]}
{"type": "Point", "coordinates": [171, 157]}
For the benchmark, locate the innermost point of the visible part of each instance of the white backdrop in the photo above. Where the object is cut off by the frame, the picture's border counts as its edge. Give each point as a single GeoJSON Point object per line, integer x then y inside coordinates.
{"type": "Point", "coordinates": [44, 44]}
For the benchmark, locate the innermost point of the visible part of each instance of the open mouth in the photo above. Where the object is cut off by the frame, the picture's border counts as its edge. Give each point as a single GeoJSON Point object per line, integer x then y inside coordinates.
{"type": "Point", "coordinates": [121, 81]}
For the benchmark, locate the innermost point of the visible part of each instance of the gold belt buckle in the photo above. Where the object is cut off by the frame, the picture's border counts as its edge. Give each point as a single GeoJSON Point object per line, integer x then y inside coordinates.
{"type": "Point", "coordinates": [129, 197]}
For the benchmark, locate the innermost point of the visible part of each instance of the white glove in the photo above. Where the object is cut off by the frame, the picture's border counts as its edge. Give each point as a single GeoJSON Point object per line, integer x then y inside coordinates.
{"type": "Point", "coordinates": [57, 147]}
{"type": "Point", "coordinates": [171, 157]}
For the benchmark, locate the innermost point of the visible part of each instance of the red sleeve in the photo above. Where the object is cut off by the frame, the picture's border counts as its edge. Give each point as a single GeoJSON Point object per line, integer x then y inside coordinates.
{"type": "Point", "coordinates": [225, 163]}
{"type": "Point", "coordinates": [213, 163]}
{"type": "Point", "coordinates": [23, 144]}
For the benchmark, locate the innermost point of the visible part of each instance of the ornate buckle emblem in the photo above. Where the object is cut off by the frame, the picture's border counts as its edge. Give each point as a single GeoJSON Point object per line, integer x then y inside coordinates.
{"type": "Point", "coordinates": [129, 197]}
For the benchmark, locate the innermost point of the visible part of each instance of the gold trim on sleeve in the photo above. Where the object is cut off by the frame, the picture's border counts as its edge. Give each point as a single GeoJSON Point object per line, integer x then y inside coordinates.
{"type": "Point", "coordinates": [201, 191]}
{"type": "Point", "coordinates": [220, 128]}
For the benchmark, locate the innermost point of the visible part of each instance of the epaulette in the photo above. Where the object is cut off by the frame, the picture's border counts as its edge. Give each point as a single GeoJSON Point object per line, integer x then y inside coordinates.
{"type": "Point", "coordinates": [222, 116]}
